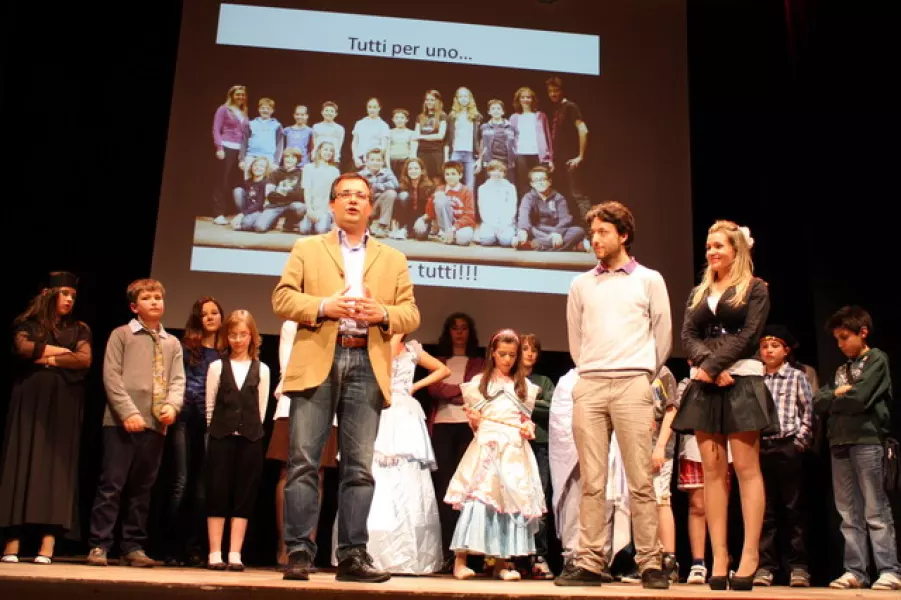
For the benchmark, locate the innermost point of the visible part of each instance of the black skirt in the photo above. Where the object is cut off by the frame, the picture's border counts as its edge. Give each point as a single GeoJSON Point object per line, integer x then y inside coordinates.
{"type": "Point", "coordinates": [747, 405]}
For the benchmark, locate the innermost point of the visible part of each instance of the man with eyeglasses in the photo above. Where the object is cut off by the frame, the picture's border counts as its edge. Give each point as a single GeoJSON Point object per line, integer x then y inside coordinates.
{"type": "Point", "coordinates": [349, 294]}
{"type": "Point", "coordinates": [544, 221]}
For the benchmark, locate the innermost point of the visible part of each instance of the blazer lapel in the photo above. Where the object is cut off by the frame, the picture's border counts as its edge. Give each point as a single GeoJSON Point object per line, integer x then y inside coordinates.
{"type": "Point", "coordinates": [373, 248]}
{"type": "Point", "coordinates": [330, 240]}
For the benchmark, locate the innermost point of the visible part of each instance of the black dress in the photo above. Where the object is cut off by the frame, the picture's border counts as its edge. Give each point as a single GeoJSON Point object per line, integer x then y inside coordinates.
{"type": "Point", "coordinates": [715, 341]}
{"type": "Point", "coordinates": [38, 485]}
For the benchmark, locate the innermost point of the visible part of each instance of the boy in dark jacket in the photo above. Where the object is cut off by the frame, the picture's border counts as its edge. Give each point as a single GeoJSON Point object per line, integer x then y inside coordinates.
{"type": "Point", "coordinates": [857, 405]}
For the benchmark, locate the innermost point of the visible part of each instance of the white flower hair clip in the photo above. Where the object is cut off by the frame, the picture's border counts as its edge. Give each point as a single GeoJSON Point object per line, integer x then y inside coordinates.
{"type": "Point", "coordinates": [746, 232]}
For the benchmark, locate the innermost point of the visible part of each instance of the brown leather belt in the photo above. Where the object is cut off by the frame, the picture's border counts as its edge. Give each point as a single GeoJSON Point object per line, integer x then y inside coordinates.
{"type": "Point", "coordinates": [352, 341]}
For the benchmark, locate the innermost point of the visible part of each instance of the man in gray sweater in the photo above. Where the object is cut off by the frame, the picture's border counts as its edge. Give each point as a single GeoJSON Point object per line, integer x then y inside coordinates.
{"type": "Point", "coordinates": [144, 377]}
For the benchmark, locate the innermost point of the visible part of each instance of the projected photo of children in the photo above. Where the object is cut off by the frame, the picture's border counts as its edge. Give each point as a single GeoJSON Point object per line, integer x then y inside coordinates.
{"type": "Point", "coordinates": [469, 186]}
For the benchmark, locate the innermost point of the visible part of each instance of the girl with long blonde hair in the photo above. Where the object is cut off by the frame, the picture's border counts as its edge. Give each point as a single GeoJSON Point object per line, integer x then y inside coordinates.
{"type": "Point", "coordinates": [462, 143]}
{"type": "Point", "coordinates": [727, 400]}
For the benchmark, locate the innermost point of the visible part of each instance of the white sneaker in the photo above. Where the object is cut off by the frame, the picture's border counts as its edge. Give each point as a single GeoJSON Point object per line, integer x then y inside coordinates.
{"type": "Point", "coordinates": [220, 220]}
{"type": "Point", "coordinates": [398, 234]}
{"type": "Point", "coordinates": [9, 558]}
{"type": "Point", "coordinates": [586, 245]}
{"type": "Point", "coordinates": [887, 581]}
{"type": "Point", "coordinates": [848, 581]}
{"type": "Point", "coordinates": [697, 575]}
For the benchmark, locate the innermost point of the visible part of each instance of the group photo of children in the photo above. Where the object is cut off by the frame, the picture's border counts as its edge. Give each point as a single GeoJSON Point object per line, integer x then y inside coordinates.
{"type": "Point", "coordinates": [448, 169]}
{"type": "Point", "coordinates": [482, 465]}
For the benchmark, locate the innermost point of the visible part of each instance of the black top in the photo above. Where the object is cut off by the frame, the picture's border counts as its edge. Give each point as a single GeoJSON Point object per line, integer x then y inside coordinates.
{"type": "Point", "coordinates": [716, 341]}
{"type": "Point", "coordinates": [237, 410]}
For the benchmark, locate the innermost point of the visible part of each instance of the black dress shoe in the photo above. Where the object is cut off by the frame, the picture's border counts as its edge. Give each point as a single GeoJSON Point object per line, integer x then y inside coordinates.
{"type": "Point", "coordinates": [358, 567]}
{"type": "Point", "coordinates": [655, 579]}
{"type": "Point", "coordinates": [298, 567]}
{"type": "Point", "coordinates": [578, 577]}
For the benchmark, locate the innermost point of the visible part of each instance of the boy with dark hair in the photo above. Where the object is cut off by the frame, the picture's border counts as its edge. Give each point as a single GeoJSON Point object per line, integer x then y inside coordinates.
{"type": "Point", "coordinates": [857, 405]}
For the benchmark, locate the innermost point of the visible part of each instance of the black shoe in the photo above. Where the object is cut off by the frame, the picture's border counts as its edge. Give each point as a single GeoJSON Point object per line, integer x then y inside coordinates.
{"type": "Point", "coordinates": [298, 567]}
{"type": "Point", "coordinates": [447, 567]}
{"type": "Point", "coordinates": [655, 579]}
{"type": "Point", "coordinates": [578, 577]}
{"type": "Point", "coordinates": [718, 582]}
{"type": "Point", "coordinates": [741, 584]}
{"type": "Point", "coordinates": [357, 566]}
{"type": "Point", "coordinates": [607, 576]}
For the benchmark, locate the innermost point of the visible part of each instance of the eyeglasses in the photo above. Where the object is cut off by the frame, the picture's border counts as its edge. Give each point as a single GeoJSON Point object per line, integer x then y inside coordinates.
{"type": "Point", "coordinates": [238, 336]}
{"type": "Point", "coordinates": [347, 194]}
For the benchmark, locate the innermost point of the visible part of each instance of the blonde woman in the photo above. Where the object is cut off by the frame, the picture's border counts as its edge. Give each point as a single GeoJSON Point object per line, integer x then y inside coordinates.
{"type": "Point", "coordinates": [463, 135]}
{"type": "Point", "coordinates": [727, 400]}
{"type": "Point", "coordinates": [317, 184]}
{"type": "Point", "coordinates": [228, 136]}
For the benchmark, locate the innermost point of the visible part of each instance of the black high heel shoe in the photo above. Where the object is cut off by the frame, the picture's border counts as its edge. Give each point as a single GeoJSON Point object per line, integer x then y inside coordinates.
{"type": "Point", "coordinates": [719, 583]}
{"type": "Point", "coordinates": [741, 584]}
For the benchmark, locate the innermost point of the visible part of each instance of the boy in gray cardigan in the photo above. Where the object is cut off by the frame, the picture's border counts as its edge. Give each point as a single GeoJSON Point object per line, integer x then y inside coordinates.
{"type": "Point", "coordinates": [144, 377]}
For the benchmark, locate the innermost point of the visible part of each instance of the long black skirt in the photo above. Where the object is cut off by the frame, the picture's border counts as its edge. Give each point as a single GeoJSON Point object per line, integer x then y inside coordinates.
{"type": "Point", "coordinates": [39, 465]}
{"type": "Point", "coordinates": [747, 405]}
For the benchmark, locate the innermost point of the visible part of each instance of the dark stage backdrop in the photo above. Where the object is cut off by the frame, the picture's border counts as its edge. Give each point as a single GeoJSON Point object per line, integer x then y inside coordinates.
{"type": "Point", "coordinates": [794, 129]}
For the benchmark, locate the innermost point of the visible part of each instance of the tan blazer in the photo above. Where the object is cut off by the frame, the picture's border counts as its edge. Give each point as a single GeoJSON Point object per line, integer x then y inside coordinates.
{"type": "Point", "coordinates": [315, 270]}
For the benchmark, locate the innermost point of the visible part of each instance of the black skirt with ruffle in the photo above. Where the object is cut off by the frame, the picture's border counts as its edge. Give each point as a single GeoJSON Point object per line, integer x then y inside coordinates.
{"type": "Point", "coordinates": [747, 405]}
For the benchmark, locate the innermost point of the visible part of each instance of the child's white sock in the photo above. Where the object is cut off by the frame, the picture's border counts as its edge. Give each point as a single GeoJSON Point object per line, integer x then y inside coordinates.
{"type": "Point", "coordinates": [234, 558]}
{"type": "Point", "coordinates": [215, 558]}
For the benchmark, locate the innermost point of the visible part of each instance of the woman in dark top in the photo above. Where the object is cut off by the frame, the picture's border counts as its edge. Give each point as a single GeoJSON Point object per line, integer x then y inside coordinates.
{"type": "Point", "coordinates": [38, 482]}
{"type": "Point", "coordinates": [431, 129]}
{"type": "Point", "coordinates": [458, 348]}
{"type": "Point", "coordinates": [727, 399]}
{"type": "Point", "coordinates": [186, 515]}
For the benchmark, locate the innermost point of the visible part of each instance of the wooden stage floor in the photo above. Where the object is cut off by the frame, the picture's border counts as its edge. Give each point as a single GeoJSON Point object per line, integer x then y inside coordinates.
{"type": "Point", "coordinates": [69, 581]}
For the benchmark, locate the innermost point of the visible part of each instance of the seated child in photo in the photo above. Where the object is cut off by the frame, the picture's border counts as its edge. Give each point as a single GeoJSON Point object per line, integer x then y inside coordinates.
{"type": "Point", "coordinates": [451, 213]}
{"type": "Point", "coordinates": [317, 180]}
{"type": "Point", "coordinates": [251, 196]}
{"type": "Point", "coordinates": [545, 222]}
{"type": "Point", "coordinates": [262, 137]}
{"type": "Point", "coordinates": [284, 197]}
{"type": "Point", "coordinates": [384, 191]}
{"type": "Point", "coordinates": [497, 207]}
{"type": "Point", "coordinates": [416, 188]}
{"type": "Point", "coordinates": [300, 135]}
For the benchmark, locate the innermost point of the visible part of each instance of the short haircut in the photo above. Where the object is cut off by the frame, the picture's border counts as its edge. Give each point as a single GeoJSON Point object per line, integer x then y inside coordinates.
{"type": "Point", "coordinates": [139, 286]}
{"type": "Point", "coordinates": [540, 169]}
{"type": "Point", "coordinates": [496, 165]}
{"type": "Point", "coordinates": [376, 151]}
{"type": "Point", "coordinates": [453, 164]}
{"type": "Point", "coordinates": [494, 101]}
{"type": "Point", "coordinates": [618, 215]}
{"type": "Point", "coordinates": [402, 111]}
{"type": "Point", "coordinates": [328, 103]}
{"type": "Point", "coordinates": [292, 151]}
{"type": "Point", "coordinates": [554, 81]}
{"type": "Point", "coordinates": [303, 106]}
{"type": "Point", "coordinates": [346, 177]}
{"type": "Point", "coordinates": [266, 102]}
{"type": "Point", "coordinates": [852, 318]}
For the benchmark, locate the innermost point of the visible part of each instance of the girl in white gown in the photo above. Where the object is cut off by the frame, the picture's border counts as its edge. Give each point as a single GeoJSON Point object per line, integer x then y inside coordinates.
{"type": "Point", "coordinates": [404, 531]}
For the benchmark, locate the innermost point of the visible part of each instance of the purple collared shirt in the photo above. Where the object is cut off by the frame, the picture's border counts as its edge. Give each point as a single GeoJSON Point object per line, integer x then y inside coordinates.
{"type": "Point", "coordinates": [627, 268]}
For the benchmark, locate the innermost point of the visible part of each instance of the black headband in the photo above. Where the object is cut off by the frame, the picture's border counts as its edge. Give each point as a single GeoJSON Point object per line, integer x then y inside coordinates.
{"type": "Point", "coordinates": [62, 279]}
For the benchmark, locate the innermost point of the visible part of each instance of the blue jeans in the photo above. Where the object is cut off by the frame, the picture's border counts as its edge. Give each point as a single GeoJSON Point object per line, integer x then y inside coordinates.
{"type": "Point", "coordinates": [352, 391]}
{"type": "Point", "coordinates": [468, 160]}
{"type": "Point", "coordinates": [861, 501]}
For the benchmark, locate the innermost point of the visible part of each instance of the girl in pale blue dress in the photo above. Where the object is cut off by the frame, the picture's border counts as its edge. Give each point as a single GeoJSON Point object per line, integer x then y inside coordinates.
{"type": "Point", "coordinates": [497, 487]}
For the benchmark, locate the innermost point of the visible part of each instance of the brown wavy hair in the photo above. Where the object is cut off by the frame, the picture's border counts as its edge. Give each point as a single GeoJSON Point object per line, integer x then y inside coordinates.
{"type": "Point", "coordinates": [516, 373]}
{"type": "Point", "coordinates": [192, 340]}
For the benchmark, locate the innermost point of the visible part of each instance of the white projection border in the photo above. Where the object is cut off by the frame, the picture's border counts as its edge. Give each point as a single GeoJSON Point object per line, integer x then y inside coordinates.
{"type": "Point", "coordinates": [425, 273]}
{"type": "Point", "coordinates": [411, 39]}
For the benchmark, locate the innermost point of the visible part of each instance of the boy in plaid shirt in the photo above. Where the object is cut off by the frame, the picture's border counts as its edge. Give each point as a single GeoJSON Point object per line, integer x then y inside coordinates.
{"type": "Point", "coordinates": [781, 459]}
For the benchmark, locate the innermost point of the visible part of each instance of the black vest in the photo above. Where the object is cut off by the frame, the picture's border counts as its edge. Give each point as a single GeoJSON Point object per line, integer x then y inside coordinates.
{"type": "Point", "coordinates": [237, 410]}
